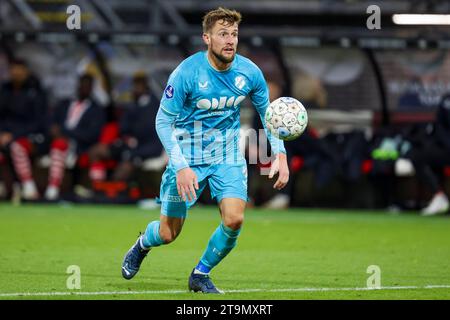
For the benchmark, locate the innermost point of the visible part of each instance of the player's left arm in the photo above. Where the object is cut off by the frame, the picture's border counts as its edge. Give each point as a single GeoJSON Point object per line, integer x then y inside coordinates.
{"type": "Point", "coordinates": [260, 99]}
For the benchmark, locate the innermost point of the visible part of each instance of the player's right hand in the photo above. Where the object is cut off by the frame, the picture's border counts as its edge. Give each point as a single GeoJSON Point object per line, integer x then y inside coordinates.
{"type": "Point", "coordinates": [187, 183]}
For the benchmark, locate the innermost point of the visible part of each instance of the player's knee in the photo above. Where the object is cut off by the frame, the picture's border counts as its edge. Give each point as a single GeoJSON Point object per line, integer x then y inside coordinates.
{"type": "Point", "coordinates": [234, 222]}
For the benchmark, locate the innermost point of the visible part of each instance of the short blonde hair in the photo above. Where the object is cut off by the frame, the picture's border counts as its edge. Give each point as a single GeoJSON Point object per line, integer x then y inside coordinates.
{"type": "Point", "coordinates": [228, 16]}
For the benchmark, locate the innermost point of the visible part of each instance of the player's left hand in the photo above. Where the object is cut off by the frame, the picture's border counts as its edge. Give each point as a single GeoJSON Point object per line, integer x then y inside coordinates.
{"type": "Point", "coordinates": [280, 165]}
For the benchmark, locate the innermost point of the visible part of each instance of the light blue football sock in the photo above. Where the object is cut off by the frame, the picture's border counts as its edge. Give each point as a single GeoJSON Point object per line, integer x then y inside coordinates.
{"type": "Point", "coordinates": [151, 237]}
{"type": "Point", "coordinates": [220, 244]}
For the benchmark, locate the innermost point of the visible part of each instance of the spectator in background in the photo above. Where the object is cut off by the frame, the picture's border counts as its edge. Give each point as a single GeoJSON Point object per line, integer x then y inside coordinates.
{"type": "Point", "coordinates": [432, 153]}
{"type": "Point", "coordinates": [137, 140]}
{"type": "Point", "coordinates": [23, 111]}
{"type": "Point", "coordinates": [76, 126]}
{"type": "Point", "coordinates": [3, 177]}
{"type": "Point", "coordinates": [310, 91]}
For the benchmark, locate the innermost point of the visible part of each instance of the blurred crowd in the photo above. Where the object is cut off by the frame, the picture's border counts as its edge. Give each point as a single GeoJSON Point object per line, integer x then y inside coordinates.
{"type": "Point", "coordinates": [113, 143]}
{"type": "Point", "coordinates": [109, 142]}
{"type": "Point", "coordinates": [384, 157]}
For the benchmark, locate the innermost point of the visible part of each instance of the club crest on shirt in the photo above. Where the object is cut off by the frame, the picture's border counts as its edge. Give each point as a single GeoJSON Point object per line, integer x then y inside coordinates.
{"type": "Point", "coordinates": [169, 92]}
{"type": "Point", "coordinates": [239, 82]}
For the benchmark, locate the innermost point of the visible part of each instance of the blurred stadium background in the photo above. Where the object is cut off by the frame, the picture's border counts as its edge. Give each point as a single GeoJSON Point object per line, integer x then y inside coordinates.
{"type": "Point", "coordinates": [365, 90]}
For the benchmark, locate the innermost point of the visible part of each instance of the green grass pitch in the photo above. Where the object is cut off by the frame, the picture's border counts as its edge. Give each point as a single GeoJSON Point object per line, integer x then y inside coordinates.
{"type": "Point", "coordinates": [292, 254]}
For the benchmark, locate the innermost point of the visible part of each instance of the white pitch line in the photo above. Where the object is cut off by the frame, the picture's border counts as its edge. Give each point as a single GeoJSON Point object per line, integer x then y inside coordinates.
{"type": "Point", "coordinates": [102, 293]}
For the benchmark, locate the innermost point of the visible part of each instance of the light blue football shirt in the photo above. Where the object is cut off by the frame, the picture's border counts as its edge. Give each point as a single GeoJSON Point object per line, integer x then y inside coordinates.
{"type": "Point", "coordinates": [207, 105]}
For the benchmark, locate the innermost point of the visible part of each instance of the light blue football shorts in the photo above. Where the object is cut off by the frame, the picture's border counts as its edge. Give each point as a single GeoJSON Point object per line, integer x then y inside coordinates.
{"type": "Point", "coordinates": [225, 181]}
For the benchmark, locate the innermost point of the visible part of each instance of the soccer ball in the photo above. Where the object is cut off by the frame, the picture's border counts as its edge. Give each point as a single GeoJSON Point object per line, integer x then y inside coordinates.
{"type": "Point", "coordinates": [286, 118]}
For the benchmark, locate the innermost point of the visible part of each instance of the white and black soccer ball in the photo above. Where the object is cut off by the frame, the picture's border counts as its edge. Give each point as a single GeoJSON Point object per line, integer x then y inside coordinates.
{"type": "Point", "coordinates": [286, 118]}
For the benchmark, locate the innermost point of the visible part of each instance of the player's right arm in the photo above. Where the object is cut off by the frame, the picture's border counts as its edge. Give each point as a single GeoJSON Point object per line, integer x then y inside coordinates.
{"type": "Point", "coordinates": [260, 99]}
{"type": "Point", "coordinates": [172, 103]}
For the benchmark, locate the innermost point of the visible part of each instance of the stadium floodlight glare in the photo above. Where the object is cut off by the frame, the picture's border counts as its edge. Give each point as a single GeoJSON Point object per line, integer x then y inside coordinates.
{"type": "Point", "coordinates": [421, 19]}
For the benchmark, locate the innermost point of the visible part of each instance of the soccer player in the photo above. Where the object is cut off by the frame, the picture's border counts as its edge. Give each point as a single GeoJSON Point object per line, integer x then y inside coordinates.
{"type": "Point", "coordinates": [198, 125]}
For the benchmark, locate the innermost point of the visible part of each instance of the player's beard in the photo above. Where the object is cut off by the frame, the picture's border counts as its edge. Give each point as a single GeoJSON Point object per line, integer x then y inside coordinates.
{"type": "Point", "coordinates": [222, 58]}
